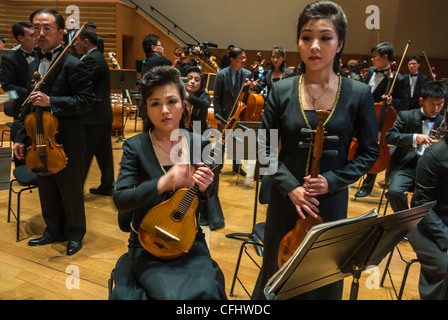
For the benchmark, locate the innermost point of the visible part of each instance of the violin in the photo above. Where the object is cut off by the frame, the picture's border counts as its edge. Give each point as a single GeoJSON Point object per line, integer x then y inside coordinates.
{"type": "Point", "coordinates": [254, 102]}
{"type": "Point", "coordinates": [293, 238]}
{"type": "Point", "coordinates": [180, 56]}
{"type": "Point", "coordinates": [212, 61]}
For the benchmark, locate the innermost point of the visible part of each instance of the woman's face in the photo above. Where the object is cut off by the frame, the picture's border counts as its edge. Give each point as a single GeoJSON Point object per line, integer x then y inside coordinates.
{"type": "Point", "coordinates": [194, 82]}
{"type": "Point", "coordinates": [277, 59]}
{"type": "Point", "coordinates": [165, 107]}
{"type": "Point", "coordinates": [319, 44]}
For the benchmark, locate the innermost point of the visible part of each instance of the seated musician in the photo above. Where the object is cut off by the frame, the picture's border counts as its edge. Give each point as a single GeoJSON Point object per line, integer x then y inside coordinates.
{"type": "Point", "coordinates": [411, 136]}
{"type": "Point", "coordinates": [429, 238]}
{"type": "Point", "coordinates": [150, 172]}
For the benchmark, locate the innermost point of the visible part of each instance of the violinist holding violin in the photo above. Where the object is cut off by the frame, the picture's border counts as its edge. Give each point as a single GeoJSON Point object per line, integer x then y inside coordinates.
{"type": "Point", "coordinates": [67, 94]}
{"type": "Point", "coordinates": [291, 106]}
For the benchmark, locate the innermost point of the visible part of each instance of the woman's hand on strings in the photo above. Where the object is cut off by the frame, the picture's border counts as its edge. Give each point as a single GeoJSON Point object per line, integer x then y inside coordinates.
{"type": "Point", "coordinates": [203, 177]}
{"type": "Point", "coordinates": [179, 176]}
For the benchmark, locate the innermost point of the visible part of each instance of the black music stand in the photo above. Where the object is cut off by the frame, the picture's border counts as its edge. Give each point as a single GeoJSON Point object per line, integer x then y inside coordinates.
{"type": "Point", "coordinates": [244, 155]}
{"type": "Point", "coordinates": [123, 80]}
{"type": "Point", "coordinates": [333, 251]}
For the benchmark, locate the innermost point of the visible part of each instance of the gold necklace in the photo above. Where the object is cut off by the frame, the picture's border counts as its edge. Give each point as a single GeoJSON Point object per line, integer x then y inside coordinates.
{"type": "Point", "coordinates": [315, 100]}
{"type": "Point", "coordinates": [179, 153]}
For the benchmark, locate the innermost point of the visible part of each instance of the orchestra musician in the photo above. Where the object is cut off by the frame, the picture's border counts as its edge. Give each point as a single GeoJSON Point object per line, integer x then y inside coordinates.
{"type": "Point", "coordinates": [413, 83]}
{"type": "Point", "coordinates": [278, 71]}
{"type": "Point", "coordinates": [429, 238]}
{"type": "Point", "coordinates": [228, 84]}
{"type": "Point", "coordinates": [98, 120]}
{"type": "Point", "coordinates": [67, 94]}
{"type": "Point", "coordinates": [151, 170]}
{"type": "Point", "coordinates": [411, 136]}
{"type": "Point", "coordinates": [198, 99]}
{"type": "Point", "coordinates": [154, 51]}
{"type": "Point", "coordinates": [291, 106]}
{"type": "Point", "coordinates": [377, 78]}
{"type": "Point", "coordinates": [72, 28]}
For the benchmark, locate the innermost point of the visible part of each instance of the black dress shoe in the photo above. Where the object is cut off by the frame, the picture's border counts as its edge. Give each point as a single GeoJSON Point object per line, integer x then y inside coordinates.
{"type": "Point", "coordinates": [73, 247]}
{"type": "Point", "coordinates": [239, 171]}
{"type": "Point", "coordinates": [362, 193]}
{"type": "Point", "coordinates": [101, 191]}
{"type": "Point", "coordinates": [40, 241]}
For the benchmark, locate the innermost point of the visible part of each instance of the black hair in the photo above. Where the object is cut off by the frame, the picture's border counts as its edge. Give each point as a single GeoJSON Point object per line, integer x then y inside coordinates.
{"type": "Point", "coordinates": [325, 10]}
{"type": "Point", "coordinates": [157, 77]}
{"type": "Point", "coordinates": [148, 41]}
{"type": "Point", "coordinates": [197, 69]}
{"type": "Point", "coordinates": [18, 29]}
{"type": "Point", "coordinates": [89, 35]}
{"type": "Point", "coordinates": [416, 58]}
{"type": "Point", "coordinates": [384, 48]}
{"type": "Point", "coordinates": [59, 19]}
{"type": "Point", "coordinates": [235, 51]}
{"type": "Point", "coordinates": [434, 89]}
{"type": "Point", "coordinates": [91, 24]}
{"type": "Point", "coordinates": [282, 52]}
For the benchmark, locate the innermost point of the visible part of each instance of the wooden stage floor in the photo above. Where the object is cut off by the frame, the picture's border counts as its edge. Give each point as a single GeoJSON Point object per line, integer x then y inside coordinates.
{"type": "Point", "coordinates": [46, 273]}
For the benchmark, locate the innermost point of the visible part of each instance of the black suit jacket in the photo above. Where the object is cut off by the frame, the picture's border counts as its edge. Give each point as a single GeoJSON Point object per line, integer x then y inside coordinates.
{"type": "Point", "coordinates": [66, 39]}
{"type": "Point", "coordinates": [407, 124]}
{"type": "Point", "coordinates": [101, 112]}
{"type": "Point", "coordinates": [14, 76]}
{"type": "Point", "coordinates": [408, 101]}
{"type": "Point", "coordinates": [154, 59]}
{"type": "Point", "coordinates": [70, 91]}
{"type": "Point", "coordinates": [223, 95]}
{"type": "Point", "coordinates": [398, 94]}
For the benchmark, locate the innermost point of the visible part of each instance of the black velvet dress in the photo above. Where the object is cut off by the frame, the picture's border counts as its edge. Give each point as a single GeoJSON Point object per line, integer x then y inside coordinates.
{"type": "Point", "coordinates": [352, 112]}
{"type": "Point", "coordinates": [193, 276]}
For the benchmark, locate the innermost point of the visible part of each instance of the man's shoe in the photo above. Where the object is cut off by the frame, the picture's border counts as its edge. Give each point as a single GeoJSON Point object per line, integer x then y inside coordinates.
{"type": "Point", "coordinates": [101, 191]}
{"type": "Point", "coordinates": [73, 247]}
{"type": "Point", "coordinates": [40, 241]}
{"type": "Point", "coordinates": [239, 171]}
{"type": "Point", "coordinates": [362, 193]}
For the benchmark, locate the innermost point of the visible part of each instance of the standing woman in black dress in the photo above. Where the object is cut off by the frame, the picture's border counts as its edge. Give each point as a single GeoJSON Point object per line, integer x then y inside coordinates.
{"type": "Point", "coordinates": [152, 167]}
{"type": "Point", "coordinates": [291, 106]}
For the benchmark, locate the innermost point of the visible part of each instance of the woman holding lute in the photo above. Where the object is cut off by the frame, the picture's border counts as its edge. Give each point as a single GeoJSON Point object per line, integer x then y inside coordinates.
{"type": "Point", "coordinates": [291, 106]}
{"type": "Point", "coordinates": [154, 167]}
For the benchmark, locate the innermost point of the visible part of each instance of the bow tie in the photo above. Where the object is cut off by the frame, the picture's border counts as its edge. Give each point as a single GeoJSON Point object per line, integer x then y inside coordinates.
{"type": "Point", "coordinates": [413, 75]}
{"type": "Point", "coordinates": [381, 70]}
{"type": "Point", "coordinates": [48, 55]}
{"type": "Point", "coordinates": [430, 119]}
{"type": "Point", "coordinates": [27, 54]}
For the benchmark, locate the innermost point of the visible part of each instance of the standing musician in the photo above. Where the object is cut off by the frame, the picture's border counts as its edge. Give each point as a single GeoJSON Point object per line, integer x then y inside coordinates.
{"type": "Point", "coordinates": [291, 106]}
{"type": "Point", "coordinates": [154, 51]}
{"type": "Point", "coordinates": [150, 172]}
{"type": "Point", "coordinates": [72, 28]}
{"type": "Point", "coordinates": [228, 84]}
{"type": "Point", "coordinates": [429, 238]}
{"type": "Point", "coordinates": [67, 94]}
{"type": "Point", "coordinates": [98, 120]}
{"type": "Point", "coordinates": [278, 71]}
{"type": "Point", "coordinates": [411, 136]}
{"type": "Point", "coordinates": [377, 78]}
{"type": "Point", "coordinates": [198, 100]}
{"type": "Point", "coordinates": [413, 83]}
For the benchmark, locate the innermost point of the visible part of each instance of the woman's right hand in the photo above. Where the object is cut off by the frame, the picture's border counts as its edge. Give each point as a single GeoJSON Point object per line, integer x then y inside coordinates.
{"type": "Point", "coordinates": [303, 202]}
{"type": "Point", "coordinates": [179, 176]}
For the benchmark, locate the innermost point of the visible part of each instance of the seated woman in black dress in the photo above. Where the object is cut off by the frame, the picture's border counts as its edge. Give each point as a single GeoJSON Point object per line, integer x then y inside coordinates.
{"type": "Point", "coordinates": [153, 166]}
{"type": "Point", "coordinates": [291, 106]}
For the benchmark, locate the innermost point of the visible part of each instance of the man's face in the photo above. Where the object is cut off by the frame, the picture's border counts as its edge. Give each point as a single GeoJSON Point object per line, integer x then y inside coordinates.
{"type": "Point", "coordinates": [158, 48]}
{"type": "Point", "coordinates": [413, 66]}
{"type": "Point", "coordinates": [28, 42]}
{"type": "Point", "coordinates": [2, 45]}
{"type": "Point", "coordinates": [379, 61]}
{"type": "Point", "coordinates": [432, 106]}
{"type": "Point", "coordinates": [46, 31]}
{"type": "Point", "coordinates": [239, 62]}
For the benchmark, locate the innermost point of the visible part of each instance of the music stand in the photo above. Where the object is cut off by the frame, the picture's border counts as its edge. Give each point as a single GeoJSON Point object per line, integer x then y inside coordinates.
{"type": "Point", "coordinates": [245, 155]}
{"type": "Point", "coordinates": [342, 249]}
{"type": "Point", "coordinates": [122, 79]}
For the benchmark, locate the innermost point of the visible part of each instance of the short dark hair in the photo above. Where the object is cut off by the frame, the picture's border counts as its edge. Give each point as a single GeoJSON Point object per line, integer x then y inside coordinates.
{"type": "Point", "coordinates": [384, 48]}
{"type": "Point", "coordinates": [325, 10]}
{"type": "Point", "coordinates": [434, 89]}
{"type": "Point", "coordinates": [18, 28]}
{"type": "Point", "coordinates": [235, 51]}
{"type": "Point", "coordinates": [416, 58]}
{"type": "Point", "coordinates": [91, 24]}
{"type": "Point", "coordinates": [148, 41]}
{"type": "Point", "coordinates": [89, 35]}
{"type": "Point", "coordinates": [59, 19]}
{"type": "Point", "coordinates": [156, 77]}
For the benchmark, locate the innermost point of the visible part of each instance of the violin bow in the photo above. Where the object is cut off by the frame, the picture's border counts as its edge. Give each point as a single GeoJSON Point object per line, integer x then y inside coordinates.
{"type": "Point", "coordinates": [429, 65]}
{"type": "Point", "coordinates": [399, 66]}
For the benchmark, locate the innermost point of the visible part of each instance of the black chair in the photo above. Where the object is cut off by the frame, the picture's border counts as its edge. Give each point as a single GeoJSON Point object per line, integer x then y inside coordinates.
{"type": "Point", "coordinates": [27, 180]}
{"type": "Point", "coordinates": [257, 237]}
{"type": "Point", "coordinates": [7, 131]}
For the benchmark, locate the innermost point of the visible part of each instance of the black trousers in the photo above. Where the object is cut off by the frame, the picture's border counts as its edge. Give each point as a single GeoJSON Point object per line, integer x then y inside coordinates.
{"type": "Point", "coordinates": [62, 202]}
{"type": "Point", "coordinates": [98, 142]}
{"type": "Point", "coordinates": [401, 182]}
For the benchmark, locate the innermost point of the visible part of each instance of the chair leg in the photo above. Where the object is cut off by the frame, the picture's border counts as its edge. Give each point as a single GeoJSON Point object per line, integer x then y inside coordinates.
{"type": "Point", "coordinates": [405, 276]}
{"type": "Point", "coordinates": [386, 269]}
{"type": "Point", "coordinates": [9, 200]}
{"type": "Point", "coordinates": [235, 275]}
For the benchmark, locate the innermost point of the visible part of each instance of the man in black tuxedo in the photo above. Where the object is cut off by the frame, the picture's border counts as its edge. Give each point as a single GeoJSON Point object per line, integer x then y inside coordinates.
{"type": "Point", "coordinates": [72, 28]}
{"type": "Point", "coordinates": [67, 94]}
{"type": "Point", "coordinates": [228, 84]}
{"type": "Point", "coordinates": [429, 238]}
{"type": "Point", "coordinates": [377, 79]}
{"type": "Point", "coordinates": [411, 136]}
{"type": "Point", "coordinates": [14, 67]}
{"type": "Point", "coordinates": [98, 120]}
{"type": "Point", "coordinates": [153, 48]}
{"type": "Point", "coordinates": [413, 83]}
{"type": "Point", "coordinates": [100, 42]}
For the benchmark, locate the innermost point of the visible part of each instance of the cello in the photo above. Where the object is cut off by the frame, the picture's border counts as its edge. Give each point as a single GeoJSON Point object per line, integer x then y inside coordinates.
{"type": "Point", "coordinates": [293, 238]}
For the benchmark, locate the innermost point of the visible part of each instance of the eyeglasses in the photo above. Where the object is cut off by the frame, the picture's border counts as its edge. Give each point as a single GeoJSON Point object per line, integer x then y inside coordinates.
{"type": "Point", "coordinates": [158, 45]}
{"type": "Point", "coordinates": [45, 29]}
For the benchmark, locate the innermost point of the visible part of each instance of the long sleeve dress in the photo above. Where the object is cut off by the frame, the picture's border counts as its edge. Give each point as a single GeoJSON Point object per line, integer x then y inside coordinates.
{"type": "Point", "coordinates": [193, 276]}
{"type": "Point", "coordinates": [353, 112]}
